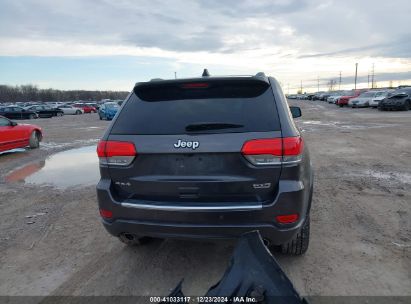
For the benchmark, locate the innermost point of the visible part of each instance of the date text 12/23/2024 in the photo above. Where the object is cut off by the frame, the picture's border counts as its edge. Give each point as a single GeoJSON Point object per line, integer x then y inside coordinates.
{"type": "Point", "coordinates": [204, 299]}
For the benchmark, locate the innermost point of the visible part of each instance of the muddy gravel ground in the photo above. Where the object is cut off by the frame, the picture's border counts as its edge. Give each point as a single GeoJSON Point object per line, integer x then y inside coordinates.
{"type": "Point", "coordinates": [52, 243]}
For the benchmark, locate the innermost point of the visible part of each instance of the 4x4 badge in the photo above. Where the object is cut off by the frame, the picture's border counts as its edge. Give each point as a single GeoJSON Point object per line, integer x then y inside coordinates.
{"type": "Point", "coordinates": [187, 144]}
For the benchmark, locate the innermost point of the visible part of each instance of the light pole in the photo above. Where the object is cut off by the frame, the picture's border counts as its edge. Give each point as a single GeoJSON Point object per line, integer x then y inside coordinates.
{"type": "Point", "coordinates": [318, 83]}
{"type": "Point", "coordinates": [355, 81]}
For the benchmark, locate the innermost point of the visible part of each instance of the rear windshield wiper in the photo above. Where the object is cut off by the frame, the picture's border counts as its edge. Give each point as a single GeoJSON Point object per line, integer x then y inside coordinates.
{"type": "Point", "coordinates": [211, 126]}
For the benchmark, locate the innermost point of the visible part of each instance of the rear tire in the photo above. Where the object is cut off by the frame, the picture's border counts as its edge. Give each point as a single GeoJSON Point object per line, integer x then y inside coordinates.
{"type": "Point", "coordinates": [299, 244]}
{"type": "Point", "coordinates": [78, 112]}
{"type": "Point", "coordinates": [34, 141]}
{"type": "Point", "coordinates": [133, 240]}
{"type": "Point", "coordinates": [32, 116]}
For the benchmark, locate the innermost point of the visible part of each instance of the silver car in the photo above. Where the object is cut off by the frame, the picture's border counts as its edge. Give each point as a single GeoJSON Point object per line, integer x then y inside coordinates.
{"type": "Point", "coordinates": [378, 97]}
{"type": "Point", "coordinates": [70, 110]}
{"type": "Point", "coordinates": [363, 100]}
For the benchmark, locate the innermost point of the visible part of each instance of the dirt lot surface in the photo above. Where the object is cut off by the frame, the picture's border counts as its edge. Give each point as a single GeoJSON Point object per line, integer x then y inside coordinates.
{"type": "Point", "coordinates": [52, 243]}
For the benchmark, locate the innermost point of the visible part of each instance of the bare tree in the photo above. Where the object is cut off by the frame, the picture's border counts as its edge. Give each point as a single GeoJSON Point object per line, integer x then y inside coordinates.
{"type": "Point", "coordinates": [33, 93]}
{"type": "Point", "coordinates": [331, 84]}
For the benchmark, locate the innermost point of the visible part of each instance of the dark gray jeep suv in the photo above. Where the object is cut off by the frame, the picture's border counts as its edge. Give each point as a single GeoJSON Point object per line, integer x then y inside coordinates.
{"type": "Point", "coordinates": [208, 157]}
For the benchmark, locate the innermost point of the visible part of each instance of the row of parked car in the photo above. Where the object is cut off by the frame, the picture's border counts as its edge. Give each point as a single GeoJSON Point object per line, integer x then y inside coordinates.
{"type": "Point", "coordinates": [383, 99]}
{"type": "Point", "coordinates": [14, 135]}
{"type": "Point", "coordinates": [31, 110]}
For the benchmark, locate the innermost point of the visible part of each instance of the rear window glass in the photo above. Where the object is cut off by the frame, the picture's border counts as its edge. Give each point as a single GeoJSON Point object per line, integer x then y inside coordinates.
{"type": "Point", "coordinates": [161, 110]}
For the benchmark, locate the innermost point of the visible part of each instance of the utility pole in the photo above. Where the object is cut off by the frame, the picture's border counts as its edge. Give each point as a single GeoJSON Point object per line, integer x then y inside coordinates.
{"type": "Point", "coordinates": [318, 83]}
{"type": "Point", "coordinates": [372, 77]}
{"type": "Point", "coordinates": [339, 84]}
{"type": "Point", "coordinates": [355, 81]}
{"type": "Point", "coordinates": [301, 87]}
{"type": "Point", "coordinates": [368, 81]}
{"type": "Point", "coordinates": [175, 75]}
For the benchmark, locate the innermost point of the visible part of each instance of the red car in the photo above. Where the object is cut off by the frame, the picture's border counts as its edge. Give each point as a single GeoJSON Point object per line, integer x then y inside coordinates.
{"type": "Point", "coordinates": [343, 100]}
{"type": "Point", "coordinates": [14, 135]}
{"type": "Point", "coordinates": [87, 108]}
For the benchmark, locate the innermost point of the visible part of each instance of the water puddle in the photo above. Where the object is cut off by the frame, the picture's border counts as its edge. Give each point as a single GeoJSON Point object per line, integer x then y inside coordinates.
{"type": "Point", "coordinates": [393, 177]}
{"type": "Point", "coordinates": [312, 124]}
{"type": "Point", "coordinates": [75, 167]}
{"type": "Point", "coordinates": [52, 145]}
{"type": "Point", "coordinates": [396, 176]}
{"type": "Point", "coordinates": [318, 123]}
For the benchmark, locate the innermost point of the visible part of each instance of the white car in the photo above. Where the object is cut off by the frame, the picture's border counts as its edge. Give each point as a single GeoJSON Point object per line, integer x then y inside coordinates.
{"type": "Point", "coordinates": [54, 104]}
{"type": "Point", "coordinates": [363, 100]}
{"type": "Point", "coordinates": [378, 97]}
{"type": "Point", "coordinates": [334, 97]}
{"type": "Point", "coordinates": [70, 110]}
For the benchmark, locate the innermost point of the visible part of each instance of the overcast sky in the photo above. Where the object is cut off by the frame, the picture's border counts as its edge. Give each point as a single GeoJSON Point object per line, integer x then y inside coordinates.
{"type": "Point", "coordinates": [102, 44]}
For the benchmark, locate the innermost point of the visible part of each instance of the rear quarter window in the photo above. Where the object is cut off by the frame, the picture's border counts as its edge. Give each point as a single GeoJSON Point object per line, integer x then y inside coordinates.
{"type": "Point", "coordinates": [159, 111]}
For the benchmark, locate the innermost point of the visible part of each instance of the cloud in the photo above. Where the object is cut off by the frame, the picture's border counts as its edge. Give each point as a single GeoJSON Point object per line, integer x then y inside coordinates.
{"type": "Point", "coordinates": [314, 28]}
{"type": "Point", "coordinates": [400, 48]}
{"type": "Point", "coordinates": [290, 38]}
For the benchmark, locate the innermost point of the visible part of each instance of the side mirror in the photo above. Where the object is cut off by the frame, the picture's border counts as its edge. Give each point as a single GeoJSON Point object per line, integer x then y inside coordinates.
{"type": "Point", "coordinates": [13, 123]}
{"type": "Point", "coordinates": [295, 112]}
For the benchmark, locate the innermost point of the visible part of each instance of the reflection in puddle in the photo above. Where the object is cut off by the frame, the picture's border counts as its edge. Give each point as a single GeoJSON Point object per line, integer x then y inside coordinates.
{"type": "Point", "coordinates": [76, 167]}
{"type": "Point", "coordinates": [13, 151]}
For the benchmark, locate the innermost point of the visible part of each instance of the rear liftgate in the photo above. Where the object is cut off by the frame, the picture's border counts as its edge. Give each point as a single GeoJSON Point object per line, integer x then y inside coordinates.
{"type": "Point", "coordinates": [254, 276]}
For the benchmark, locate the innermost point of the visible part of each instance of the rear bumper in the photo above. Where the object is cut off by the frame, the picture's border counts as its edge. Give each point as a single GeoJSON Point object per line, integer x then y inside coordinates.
{"type": "Point", "coordinates": [391, 106]}
{"type": "Point", "coordinates": [197, 222]}
{"type": "Point", "coordinates": [192, 231]}
{"type": "Point", "coordinates": [110, 116]}
{"type": "Point", "coordinates": [360, 105]}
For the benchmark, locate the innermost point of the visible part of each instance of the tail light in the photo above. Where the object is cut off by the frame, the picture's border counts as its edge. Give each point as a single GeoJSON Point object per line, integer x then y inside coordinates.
{"type": "Point", "coordinates": [287, 219]}
{"type": "Point", "coordinates": [118, 153]}
{"type": "Point", "coordinates": [107, 214]}
{"type": "Point", "coordinates": [195, 85]}
{"type": "Point", "coordinates": [273, 151]}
